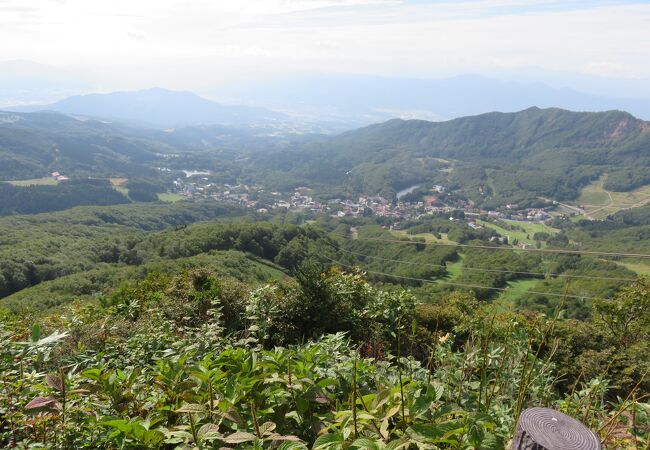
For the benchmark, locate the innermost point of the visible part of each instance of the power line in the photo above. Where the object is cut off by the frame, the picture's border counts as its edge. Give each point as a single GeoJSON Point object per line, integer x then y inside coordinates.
{"type": "Point", "coordinates": [488, 247]}
{"type": "Point", "coordinates": [473, 286]}
{"type": "Point", "coordinates": [559, 275]}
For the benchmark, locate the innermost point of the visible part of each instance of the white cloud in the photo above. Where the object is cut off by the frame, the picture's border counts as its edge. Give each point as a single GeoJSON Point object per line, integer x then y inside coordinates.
{"type": "Point", "coordinates": [154, 41]}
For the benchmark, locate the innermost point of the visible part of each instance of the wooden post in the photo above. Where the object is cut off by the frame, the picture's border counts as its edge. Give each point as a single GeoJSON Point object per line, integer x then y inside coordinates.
{"type": "Point", "coordinates": [547, 429]}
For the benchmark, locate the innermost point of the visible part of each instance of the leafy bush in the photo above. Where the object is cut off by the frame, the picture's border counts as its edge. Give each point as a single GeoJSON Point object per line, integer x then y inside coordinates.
{"type": "Point", "coordinates": [191, 362]}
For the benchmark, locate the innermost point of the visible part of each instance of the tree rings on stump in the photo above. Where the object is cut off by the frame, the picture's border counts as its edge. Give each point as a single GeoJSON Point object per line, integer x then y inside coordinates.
{"type": "Point", "coordinates": [547, 429]}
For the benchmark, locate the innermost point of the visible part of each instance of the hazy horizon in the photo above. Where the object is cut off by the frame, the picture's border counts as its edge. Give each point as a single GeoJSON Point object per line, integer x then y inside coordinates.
{"type": "Point", "coordinates": [337, 59]}
{"type": "Point", "coordinates": [600, 47]}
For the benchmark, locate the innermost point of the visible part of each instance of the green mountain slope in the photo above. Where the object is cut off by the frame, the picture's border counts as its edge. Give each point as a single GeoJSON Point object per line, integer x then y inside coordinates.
{"type": "Point", "coordinates": [510, 135]}
{"type": "Point", "coordinates": [33, 145]}
{"type": "Point", "coordinates": [535, 152]}
{"type": "Point", "coordinates": [47, 246]}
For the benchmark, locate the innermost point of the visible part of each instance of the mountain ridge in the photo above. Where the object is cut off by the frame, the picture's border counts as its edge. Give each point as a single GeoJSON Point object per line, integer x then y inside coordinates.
{"type": "Point", "coordinates": [536, 152]}
{"type": "Point", "coordinates": [156, 107]}
{"type": "Point", "coordinates": [531, 128]}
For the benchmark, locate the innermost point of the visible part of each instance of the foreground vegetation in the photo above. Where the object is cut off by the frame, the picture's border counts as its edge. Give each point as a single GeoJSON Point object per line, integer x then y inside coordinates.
{"type": "Point", "coordinates": [203, 361]}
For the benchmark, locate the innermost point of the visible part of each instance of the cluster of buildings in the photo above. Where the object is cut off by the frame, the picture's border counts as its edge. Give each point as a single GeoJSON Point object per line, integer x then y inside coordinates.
{"type": "Point", "coordinates": [248, 196]}
{"type": "Point", "coordinates": [301, 199]}
{"type": "Point", "coordinates": [238, 194]}
{"type": "Point", "coordinates": [381, 207]}
{"type": "Point", "coordinates": [58, 177]}
{"type": "Point", "coordinates": [529, 215]}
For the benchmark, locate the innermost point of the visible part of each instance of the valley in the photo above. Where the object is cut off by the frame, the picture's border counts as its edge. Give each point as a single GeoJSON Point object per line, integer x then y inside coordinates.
{"type": "Point", "coordinates": [158, 234]}
{"type": "Point", "coordinates": [325, 225]}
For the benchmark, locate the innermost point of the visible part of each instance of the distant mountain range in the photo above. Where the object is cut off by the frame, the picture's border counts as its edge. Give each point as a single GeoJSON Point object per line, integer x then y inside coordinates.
{"type": "Point", "coordinates": [157, 107]}
{"type": "Point", "coordinates": [329, 103]}
{"type": "Point", "coordinates": [363, 99]}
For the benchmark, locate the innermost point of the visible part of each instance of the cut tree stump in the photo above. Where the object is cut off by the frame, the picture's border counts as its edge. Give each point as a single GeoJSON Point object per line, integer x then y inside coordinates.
{"type": "Point", "coordinates": [547, 429]}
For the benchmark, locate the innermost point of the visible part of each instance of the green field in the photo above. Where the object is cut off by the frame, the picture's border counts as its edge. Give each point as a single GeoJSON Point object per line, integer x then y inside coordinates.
{"type": "Point", "coordinates": [428, 237]}
{"type": "Point", "coordinates": [594, 195]}
{"type": "Point", "coordinates": [171, 198]}
{"type": "Point", "coordinates": [118, 185]}
{"type": "Point", "coordinates": [45, 181]}
{"type": "Point", "coordinates": [515, 290]}
{"type": "Point", "coordinates": [121, 189]}
{"type": "Point", "coordinates": [638, 267]}
{"type": "Point", "coordinates": [599, 203]}
{"type": "Point", "coordinates": [529, 228]}
{"type": "Point", "coordinates": [455, 269]}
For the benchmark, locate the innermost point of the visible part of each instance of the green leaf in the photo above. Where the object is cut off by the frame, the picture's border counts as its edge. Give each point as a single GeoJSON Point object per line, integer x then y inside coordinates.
{"type": "Point", "coordinates": [36, 332]}
{"type": "Point", "coordinates": [191, 408]}
{"type": "Point", "coordinates": [93, 374]}
{"type": "Point", "coordinates": [363, 443]}
{"type": "Point", "coordinates": [120, 424]}
{"type": "Point", "coordinates": [327, 441]}
{"type": "Point", "coordinates": [153, 438]}
{"type": "Point", "coordinates": [292, 446]}
{"type": "Point", "coordinates": [399, 443]}
{"type": "Point", "coordinates": [475, 434]}
{"type": "Point", "coordinates": [439, 390]}
{"type": "Point", "coordinates": [491, 442]}
{"type": "Point", "coordinates": [428, 432]}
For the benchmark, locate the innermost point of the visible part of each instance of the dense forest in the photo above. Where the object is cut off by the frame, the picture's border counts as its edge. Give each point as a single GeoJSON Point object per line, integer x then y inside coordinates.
{"type": "Point", "coordinates": [47, 246]}
{"type": "Point", "coordinates": [40, 199]}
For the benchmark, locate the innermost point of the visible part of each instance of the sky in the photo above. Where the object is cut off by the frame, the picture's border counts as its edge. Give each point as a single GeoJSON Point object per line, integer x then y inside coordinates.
{"type": "Point", "coordinates": [193, 44]}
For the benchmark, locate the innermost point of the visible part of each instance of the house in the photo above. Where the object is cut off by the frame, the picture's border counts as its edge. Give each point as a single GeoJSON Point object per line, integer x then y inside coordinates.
{"type": "Point", "coordinates": [430, 200]}
{"type": "Point", "coordinates": [55, 175]}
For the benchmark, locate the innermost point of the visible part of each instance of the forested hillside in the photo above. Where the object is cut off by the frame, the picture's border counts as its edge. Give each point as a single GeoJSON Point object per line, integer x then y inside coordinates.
{"type": "Point", "coordinates": [520, 135]}
{"type": "Point", "coordinates": [510, 156]}
{"type": "Point", "coordinates": [33, 145]}
{"type": "Point", "coordinates": [47, 246]}
{"type": "Point", "coordinates": [84, 251]}
{"type": "Point", "coordinates": [38, 199]}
